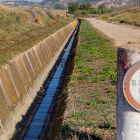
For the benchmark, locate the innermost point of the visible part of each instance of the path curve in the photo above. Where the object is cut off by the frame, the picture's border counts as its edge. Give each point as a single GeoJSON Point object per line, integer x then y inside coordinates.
{"type": "Point", "coordinates": [120, 34]}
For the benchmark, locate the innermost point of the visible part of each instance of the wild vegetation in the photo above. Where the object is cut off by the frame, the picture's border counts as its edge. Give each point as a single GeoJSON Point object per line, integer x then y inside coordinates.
{"type": "Point", "coordinates": [47, 3]}
{"type": "Point", "coordinates": [91, 106]}
{"type": "Point", "coordinates": [22, 29]}
{"type": "Point", "coordinates": [86, 8]}
{"type": "Point", "coordinates": [83, 8]}
{"type": "Point", "coordinates": [60, 6]}
{"type": "Point", "coordinates": [129, 16]}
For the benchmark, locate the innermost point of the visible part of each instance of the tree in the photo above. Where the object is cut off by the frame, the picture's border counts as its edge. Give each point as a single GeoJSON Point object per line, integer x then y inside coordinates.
{"type": "Point", "coordinates": [92, 10]}
{"type": "Point", "coordinates": [102, 6]}
{"type": "Point", "coordinates": [71, 7]}
{"type": "Point", "coordinates": [88, 5]}
{"type": "Point", "coordinates": [59, 6]}
{"type": "Point", "coordinates": [84, 12]}
{"type": "Point", "coordinates": [76, 5]}
{"type": "Point", "coordinates": [83, 6]}
{"type": "Point", "coordinates": [77, 12]}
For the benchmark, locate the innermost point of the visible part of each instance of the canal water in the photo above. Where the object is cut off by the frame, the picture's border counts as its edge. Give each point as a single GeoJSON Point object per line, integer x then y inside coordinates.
{"type": "Point", "coordinates": [36, 127]}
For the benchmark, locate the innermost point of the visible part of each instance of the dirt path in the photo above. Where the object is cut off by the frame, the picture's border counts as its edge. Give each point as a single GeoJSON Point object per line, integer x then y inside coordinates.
{"type": "Point", "coordinates": [121, 34]}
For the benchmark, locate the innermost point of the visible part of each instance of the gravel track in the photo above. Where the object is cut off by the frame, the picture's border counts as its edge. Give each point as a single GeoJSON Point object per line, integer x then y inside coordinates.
{"type": "Point", "coordinates": [120, 34]}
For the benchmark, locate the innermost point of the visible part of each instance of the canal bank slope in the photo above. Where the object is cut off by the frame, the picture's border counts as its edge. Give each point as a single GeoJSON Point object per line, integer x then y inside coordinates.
{"type": "Point", "coordinates": [21, 78]}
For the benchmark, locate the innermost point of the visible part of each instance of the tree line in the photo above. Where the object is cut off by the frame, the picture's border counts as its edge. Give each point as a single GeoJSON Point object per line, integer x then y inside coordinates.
{"type": "Point", "coordinates": [86, 8]}
{"type": "Point", "coordinates": [60, 7]}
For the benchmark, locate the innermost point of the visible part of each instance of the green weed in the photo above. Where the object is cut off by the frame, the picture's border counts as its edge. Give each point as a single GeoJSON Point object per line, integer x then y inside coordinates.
{"type": "Point", "coordinates": [84, 69]}
{"type": "Point", "coordinates": [83, 101]}
{"type": "Point", "coordinates": [94, 97]}
{"type": "Point", "coordinates": [77, 114]}
{"type": "Point", "coordinates": [103, 78]}
{"type": "Point", "coordinates": [95, 101]}
{"type": "Point", "coordinates": [82, 77]}
{"type": "Point", "coordinates": [94, 79]}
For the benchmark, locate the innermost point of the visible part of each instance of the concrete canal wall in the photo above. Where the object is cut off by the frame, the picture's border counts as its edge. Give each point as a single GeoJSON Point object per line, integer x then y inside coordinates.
{"type": "Point", "coordinates": [21, 78]}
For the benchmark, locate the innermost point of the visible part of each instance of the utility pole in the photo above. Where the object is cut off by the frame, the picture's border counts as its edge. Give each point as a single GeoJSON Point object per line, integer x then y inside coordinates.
{"type": "Point", "coordinates": [44, 4]}
{"type": "Point", "coordinates": [128, 92]}
{"type": "Point", "coordinates": [54, 6]}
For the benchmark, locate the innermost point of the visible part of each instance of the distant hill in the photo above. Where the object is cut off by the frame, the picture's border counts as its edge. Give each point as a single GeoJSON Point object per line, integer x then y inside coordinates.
{"type": "Point", "coordinates": [20, 3]}
{"type": "Point", "coordinates": [51, 3]}
{"type": "Point", "coordinates": [95, 3]}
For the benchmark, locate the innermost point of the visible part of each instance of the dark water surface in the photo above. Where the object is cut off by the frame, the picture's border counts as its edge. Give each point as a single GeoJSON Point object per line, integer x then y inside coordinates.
{"type": "Point", "coordinates": [42, 114]}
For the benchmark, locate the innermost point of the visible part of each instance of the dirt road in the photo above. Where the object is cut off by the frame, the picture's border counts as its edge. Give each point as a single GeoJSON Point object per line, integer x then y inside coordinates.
{"type": "Point", "coordinates": [121, 34]}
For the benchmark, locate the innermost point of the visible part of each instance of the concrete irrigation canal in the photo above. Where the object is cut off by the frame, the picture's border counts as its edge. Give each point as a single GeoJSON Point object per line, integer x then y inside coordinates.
{"type": "Point", "coordinates": [32, 115]}
{"type": "Point", "coordinates": [39, 127]}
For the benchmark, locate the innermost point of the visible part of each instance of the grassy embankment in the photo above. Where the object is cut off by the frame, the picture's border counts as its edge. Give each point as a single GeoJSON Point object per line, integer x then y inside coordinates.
{"type": "Point", "coordinates": [129, 16]}
{"type": "Point", "coordinates": [22, 29]}
{"type": "Point", "coordinates": [91, 108]}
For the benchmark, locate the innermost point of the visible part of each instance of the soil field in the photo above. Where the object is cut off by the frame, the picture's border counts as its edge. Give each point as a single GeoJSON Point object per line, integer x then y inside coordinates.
{"type": "Point", "coordinates": [59, 12]}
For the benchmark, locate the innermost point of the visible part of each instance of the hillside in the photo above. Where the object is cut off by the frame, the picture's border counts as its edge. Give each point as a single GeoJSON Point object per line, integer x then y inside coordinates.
{"type": "Point", "coordinates": [95, 3]}
{"type": "Point", "coordinates": [51, 3]}
{"type": "Point", "coordinates": [22, 29]}
{"type": "Point", "coordinates": [129, 16]}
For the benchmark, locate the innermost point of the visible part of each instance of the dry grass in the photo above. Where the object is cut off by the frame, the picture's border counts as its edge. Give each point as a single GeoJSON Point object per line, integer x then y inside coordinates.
{"type": "Point", "coordinates": [130, 16]}
{"type": "Point", "coordinates": [22, 29]}
{"type": "Point", "coordinates": [14, 21]}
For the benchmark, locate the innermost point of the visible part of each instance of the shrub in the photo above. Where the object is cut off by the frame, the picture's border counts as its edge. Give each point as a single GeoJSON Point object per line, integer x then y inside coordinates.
{"type": "Point", "coordinates": [77, 12]}
{"type": "Point", "coordinates": [102, 6]}
{"type": "Point", "coordinates": [114, 13]}
{"type": "Point", "coordinates": [105, 17]}
{"type": "Point", "coordinates": [32, 11]}
{"type": "Point", "coordinates": [58, 16]}
{"type": "Point", "coordinates": [84, 12]}
{"type": "Point", "coordinates": [41, 12]}
{"type": "Point", "coordinates": [50, 14]}
{"type": "Point", "coordinates": [38, 20]}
